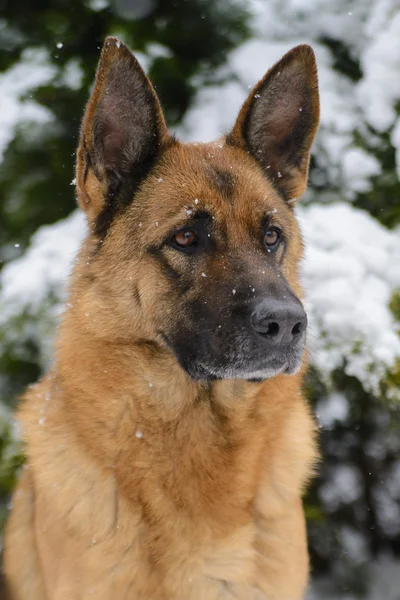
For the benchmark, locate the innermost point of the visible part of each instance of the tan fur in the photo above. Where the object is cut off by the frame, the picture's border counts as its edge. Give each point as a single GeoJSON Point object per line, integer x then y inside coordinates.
{"type": "Point", "coordinates": [140, 482]}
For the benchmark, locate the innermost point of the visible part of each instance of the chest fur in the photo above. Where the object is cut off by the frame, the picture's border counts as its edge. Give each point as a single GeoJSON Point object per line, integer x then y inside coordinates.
{"type": "Point", "coordinates": [179, 507]}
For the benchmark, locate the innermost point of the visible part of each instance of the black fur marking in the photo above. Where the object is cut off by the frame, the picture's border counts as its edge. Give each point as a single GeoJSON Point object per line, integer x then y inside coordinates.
{"type": "Point", "coordinates": [4, 593]}
{"type": "Point", "coordinates": [136, 295]}
{"type": "Point", "coordinates": [185, 287]}
{"type": "Point", "coordinates": [223, 181]}
{"type": "Point", "coordinates": [88, 165]}
{"type": "Point", "coordinates": [221, 417]}
{"type": "Point", "coordinates": [168, 270]}
{"type": "Point", "coordinates": [118, 200]}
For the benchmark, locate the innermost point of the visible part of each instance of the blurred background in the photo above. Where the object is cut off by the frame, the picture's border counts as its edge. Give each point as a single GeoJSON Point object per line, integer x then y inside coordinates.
{"type": "Point", "coordinates": [203, 55]}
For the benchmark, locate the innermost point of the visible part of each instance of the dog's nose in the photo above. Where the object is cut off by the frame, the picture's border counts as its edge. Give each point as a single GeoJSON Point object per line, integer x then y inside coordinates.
{"type": "Point", "coordinates": [279, 323]}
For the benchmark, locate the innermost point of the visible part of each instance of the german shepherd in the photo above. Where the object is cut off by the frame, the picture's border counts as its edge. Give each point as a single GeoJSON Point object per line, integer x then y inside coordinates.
{"type": "Point", "coordinates": [169, 445]}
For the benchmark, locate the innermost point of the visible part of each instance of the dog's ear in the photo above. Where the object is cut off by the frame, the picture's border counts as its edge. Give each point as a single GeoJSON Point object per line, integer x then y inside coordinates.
{"type": "Point", "coordinates": [123, 130]}
{"type": "Point", "coordinates": [279, 119]}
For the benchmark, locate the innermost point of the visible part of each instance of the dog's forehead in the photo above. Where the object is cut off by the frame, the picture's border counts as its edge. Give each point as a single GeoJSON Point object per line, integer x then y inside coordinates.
{"type": "Point", "coordinates": [215, 174]}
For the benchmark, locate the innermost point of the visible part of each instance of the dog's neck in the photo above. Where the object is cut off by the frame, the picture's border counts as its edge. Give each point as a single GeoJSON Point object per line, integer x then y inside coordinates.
{"type": "Point", "coordinates": [146, 416]}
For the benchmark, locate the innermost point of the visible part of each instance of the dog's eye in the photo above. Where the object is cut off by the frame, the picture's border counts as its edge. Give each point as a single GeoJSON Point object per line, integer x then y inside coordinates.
{"type": "Point", "coordinates": [272, 237]}
{"type": "Point", "coordinates": [185, 239]}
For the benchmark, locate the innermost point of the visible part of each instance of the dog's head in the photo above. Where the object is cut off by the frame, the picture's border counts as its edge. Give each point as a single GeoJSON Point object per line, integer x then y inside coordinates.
{"type": "Point", "coordinates": [195, 247]}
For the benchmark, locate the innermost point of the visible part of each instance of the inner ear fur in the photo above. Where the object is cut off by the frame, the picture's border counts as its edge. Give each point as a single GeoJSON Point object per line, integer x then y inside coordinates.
{"type": "Point", "coordinates": [278, 122]}
{"type": "Point", "coordinates": [123, 130]}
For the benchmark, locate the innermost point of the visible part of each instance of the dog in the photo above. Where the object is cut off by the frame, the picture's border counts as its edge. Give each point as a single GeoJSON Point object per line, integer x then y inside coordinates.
{"type": "Point", "coordinates": [169, 445]}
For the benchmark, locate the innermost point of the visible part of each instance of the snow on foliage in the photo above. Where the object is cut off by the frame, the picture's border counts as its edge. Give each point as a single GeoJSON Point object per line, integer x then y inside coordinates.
{"type": "Point", "coordinates": [385, 584]}
{"type": "Point", "coordinates": [379, 90]}
{"type": "Point", "coordinates": [350, 272]}
{"type": "Point", "coordinates": [33, 287]}
{"type": "Point", "coordinates": [43, 269]}
{"type": "Point", "coordinates": [33, 70]}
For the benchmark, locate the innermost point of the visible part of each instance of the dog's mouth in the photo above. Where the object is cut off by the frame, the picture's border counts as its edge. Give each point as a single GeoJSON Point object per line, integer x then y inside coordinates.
{"type": "Point", "coordinates": [242, 369]}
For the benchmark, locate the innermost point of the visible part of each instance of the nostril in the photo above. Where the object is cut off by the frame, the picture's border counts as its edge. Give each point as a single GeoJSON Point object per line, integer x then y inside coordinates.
{"type": "Point", "coordinates": [298, 328]}
{"type": "Point", "coordinates": [273, 329]}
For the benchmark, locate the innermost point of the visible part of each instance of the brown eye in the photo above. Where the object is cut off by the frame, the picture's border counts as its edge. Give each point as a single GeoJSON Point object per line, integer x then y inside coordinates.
{"type": "Point", "coordinates": [185, 239]}
{"type": "Point", "coordinates": [272, 237]}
